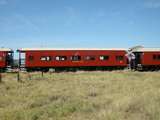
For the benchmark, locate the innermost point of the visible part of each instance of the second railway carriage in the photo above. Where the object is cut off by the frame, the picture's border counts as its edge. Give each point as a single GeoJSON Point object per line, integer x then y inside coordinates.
{"type": "Point", "coordinates": [147, 58]}
{"type": "Point", "coordinates": [6, 58]}
{"type": "Point", "coordinates": [71, 59]}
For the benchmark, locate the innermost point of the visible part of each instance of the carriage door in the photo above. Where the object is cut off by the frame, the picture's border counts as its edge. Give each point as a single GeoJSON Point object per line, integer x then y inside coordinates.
{"type": "Point", "coordinates": [9, 59]}
{"type": "Point", "coordinates": [22, 59]}
{"type": "Point", "coordinates": [138, 59]}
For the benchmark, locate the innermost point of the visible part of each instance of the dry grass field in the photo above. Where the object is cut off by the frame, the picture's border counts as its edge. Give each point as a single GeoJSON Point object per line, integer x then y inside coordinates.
{"type": "Point", "coordinates": [117, 95]}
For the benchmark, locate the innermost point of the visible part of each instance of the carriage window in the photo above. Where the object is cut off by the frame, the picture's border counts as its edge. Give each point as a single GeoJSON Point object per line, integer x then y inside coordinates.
{"type": "Point", "coordinates": [61, 58]}
{"type": "Point", "coordinates": [104, 57]}
{"type": "Point", "coordinates": [156, 57]}
{"type": "Point", "coordinates": [46, 58]}
{"type": "Point", "coordinates": [119, 58]}
{"type": "Point", "coordinates": [90, 58]}
{"type": "Point", "coordinates": [75, 58]}
{"type": "Point", "coordinates": [31, 58]}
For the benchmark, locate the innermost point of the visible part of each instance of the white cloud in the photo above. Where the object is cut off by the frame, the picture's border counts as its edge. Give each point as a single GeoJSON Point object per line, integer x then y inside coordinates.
{"type": "Point", "coordinates": [3, 2]}
{"type": "Point", "coordinates": [152, 4]}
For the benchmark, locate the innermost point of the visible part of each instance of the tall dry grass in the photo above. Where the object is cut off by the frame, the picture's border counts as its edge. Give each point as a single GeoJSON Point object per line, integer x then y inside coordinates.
{"type": "Point", "coordinates": [118, 95]}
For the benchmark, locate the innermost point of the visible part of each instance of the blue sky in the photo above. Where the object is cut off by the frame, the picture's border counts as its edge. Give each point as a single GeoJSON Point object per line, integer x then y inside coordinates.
{"type": "Point", "coordinates": [79, 23]}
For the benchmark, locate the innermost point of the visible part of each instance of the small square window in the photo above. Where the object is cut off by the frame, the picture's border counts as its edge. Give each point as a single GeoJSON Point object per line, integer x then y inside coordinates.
{"type": "Point", "coordinates": [154, 57]}
{"type": "Point", "coordinates": [90, 58]}
{"type": "Point", "coordinates": [46, 58]}
{"type": "Point", "coordinates": [61, 58]}
{"type": "Point", "coordinates": [75, 58]}
{"type": "Point", "coordinates": [104, 57]}
{"type": "Point", "coordinates": [57, 58]}
{"type": "Point", "coordinates": [119, 58]}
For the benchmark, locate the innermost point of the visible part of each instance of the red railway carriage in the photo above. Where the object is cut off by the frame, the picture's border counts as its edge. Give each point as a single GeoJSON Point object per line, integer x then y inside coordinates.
{"type": "Point", "coordinates": [148, 58]}
{"type": "Point", "coordinates": [72, 58]}
{"type": "Point", "coordinates": [6, 58]}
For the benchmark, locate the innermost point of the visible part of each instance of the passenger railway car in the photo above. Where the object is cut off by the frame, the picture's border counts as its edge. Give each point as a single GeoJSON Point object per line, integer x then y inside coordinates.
{"type": "Point", "coordinates": [6, 58]}
{"type": "Point", "coordinates": [147, 58]}
{"type": "Point", "coordinates": [72, 59]}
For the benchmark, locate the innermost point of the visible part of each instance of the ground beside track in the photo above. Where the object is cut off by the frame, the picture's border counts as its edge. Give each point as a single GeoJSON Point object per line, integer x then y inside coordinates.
{"type": "Point", "coordinates": [117, 95]}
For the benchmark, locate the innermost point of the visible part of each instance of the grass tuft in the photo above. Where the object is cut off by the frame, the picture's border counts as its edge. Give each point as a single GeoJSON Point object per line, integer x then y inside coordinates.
{"type": "Point", "coordinates": [115, 95]}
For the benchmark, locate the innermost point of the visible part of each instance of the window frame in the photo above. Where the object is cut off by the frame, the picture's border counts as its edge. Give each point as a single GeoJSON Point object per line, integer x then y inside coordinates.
{"type": "Point", "coordinates": [90, 58]}
{"type": "Point", "coordinates": [119, 58]}
{"type": "Point", "coordinates": [46, 58]}
{"type": "Point", "coordinates": [156, 57]}
{"type": "Point", "coordinates": [79, 58]}
{"type": "Point", "coordinates": [61, 58]}
{"type": "Point", "coordinates": [105, 57]}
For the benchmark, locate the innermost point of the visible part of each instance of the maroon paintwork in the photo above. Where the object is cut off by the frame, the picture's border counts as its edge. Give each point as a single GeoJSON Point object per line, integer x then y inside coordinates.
{"type": "Point", "coordinates": [37, 54]}
{"type": "Point", "coordinates": [3, 59]}
{"type": "Point", "coordinates": [147, 58]}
